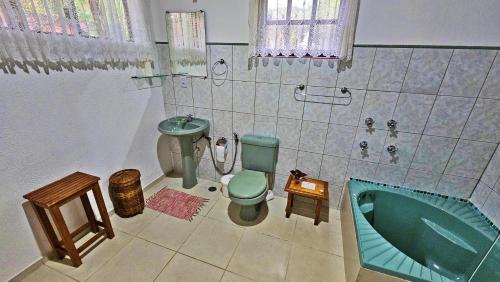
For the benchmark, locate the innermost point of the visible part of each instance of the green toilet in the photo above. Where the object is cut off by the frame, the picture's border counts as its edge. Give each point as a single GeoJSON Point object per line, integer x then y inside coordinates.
{"type": "Point", "coordinates": [248, 188]}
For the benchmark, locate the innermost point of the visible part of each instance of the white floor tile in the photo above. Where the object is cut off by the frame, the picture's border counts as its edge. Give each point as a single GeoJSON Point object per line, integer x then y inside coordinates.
{"type": "Point", "coordinates": [135, 224]}
{"type": "Point", "coordinates": [232, 277]}
{"type": "Point", "coordinates": [169, 231]}
{"type": "Point", "coordinates": [93, 258]}
{"type": "Point", "coordinates": [307, 264]}
{"type": "Point", "coordinates": [213, 242]}
{"type": "Point", "coordinates": [261, 257]}
{"type": "Point", "coordinates": [183, 268]}
{"type": "Point", "coordinates": [46, 274]}
{"type": "Point", "coordinates": [139, 260]}
{"type": "Point", "coordinates": [323, 237]}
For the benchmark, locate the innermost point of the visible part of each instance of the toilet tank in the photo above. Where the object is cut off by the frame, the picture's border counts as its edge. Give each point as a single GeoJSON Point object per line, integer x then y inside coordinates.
{"type": "Point", "coordinates": [259, 153]}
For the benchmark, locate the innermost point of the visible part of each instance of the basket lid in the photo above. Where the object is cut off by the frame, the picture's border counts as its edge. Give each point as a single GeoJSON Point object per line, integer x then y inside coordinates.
{"type": "Point", "coordinates": [124, 177]}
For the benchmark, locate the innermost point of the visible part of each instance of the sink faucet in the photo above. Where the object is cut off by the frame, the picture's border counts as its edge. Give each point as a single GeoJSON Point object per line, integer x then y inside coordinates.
{"type": "Point", "coordinates": [183, 121]}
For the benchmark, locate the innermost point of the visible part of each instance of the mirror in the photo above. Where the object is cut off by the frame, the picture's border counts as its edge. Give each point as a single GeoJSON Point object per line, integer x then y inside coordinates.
{"type": "Point", "coordinates": [186, 41]}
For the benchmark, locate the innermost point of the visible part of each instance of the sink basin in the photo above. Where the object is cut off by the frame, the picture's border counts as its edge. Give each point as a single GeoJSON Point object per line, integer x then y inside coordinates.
{"type": "Point", "coordinates": [178, 126]}
{"type": "Point", "coordinates": [185, 131]}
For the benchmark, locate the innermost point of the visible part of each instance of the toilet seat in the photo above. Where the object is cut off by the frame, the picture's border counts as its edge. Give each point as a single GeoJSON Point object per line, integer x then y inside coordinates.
{"type": "Point", "coordinates": [247, 184]}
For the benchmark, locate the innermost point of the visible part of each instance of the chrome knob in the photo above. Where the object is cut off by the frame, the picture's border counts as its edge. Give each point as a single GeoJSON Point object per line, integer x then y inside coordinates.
{"type": "Point", "coordinates": [344, 90]}
{"type": "Point", "coordinates": [392, 149]}
{"type": "Point", "coordinates": [369, 122]}
{"type": "Point", "coordinates": [363, 145]}
{"type": "Point", "coordinates": [392, 124]}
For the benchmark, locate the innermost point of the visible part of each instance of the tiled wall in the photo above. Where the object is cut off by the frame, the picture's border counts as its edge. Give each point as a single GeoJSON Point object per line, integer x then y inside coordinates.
{"type": "Point", "coordinates": [446, 103]}
{"type": "Point", "coordinates": [486, 196]}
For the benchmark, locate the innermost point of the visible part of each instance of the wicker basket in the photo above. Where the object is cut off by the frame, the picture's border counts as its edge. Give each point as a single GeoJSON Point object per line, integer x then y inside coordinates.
{"type": "Point", "coordinates": [126, 193]}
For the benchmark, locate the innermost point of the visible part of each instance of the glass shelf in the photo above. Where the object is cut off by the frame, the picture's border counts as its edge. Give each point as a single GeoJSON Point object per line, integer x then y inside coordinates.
{"type": "Point", "coordinates": [149, 76]}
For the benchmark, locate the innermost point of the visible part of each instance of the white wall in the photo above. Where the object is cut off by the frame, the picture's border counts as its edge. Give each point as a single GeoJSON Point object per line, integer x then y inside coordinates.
{"type": "Point", "coordinates": [394, 22]}
{"type": "Point", "coordinates": [51, 125]}
{"type": "Point", "coordinates": [227, 20]}
{"type": "Point", "coordinates": [429, 22]}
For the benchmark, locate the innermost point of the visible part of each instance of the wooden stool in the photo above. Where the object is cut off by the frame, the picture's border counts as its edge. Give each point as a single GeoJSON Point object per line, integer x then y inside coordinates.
{"type": "Point", "coordinates": [319, 194]}
{"type": "Point", "coordinates": [58, 193]}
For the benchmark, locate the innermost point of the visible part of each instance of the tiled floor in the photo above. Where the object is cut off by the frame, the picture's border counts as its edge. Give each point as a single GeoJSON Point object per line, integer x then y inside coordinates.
{"type": "Point", "coordinates": [215, 246]}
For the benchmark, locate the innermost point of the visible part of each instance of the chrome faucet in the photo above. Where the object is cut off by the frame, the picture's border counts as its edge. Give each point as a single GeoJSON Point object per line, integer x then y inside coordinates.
{"type": "Point", "coordinates": [392, 149]}
{"type": "Point", "coordinates": [369, 122]}
{"type": "Point", "coordinates": [392, 124]}
{"type": "Point", "coordinates": [183, 121]}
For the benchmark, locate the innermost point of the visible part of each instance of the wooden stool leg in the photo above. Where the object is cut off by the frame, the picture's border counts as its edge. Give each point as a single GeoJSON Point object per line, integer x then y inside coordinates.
{"type": "Point", "coordinates": [89, 212]}
{"type": "Point", "coordinates": [62, 228]}
{"type": "Point", "coordinates": [49, 231]}
{"type": "Point", "coordinates": [318, 210]}
{"type": "Point", "coordinates": [289, 205]}
{"type": "Point", "coordinates": [102, 211]}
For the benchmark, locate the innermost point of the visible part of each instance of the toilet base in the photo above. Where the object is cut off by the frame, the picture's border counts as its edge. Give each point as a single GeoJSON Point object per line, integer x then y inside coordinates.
{"type": "Point", "coordinates": [250, 212]}
{"type": "Point", "coordinates": [249, 207]}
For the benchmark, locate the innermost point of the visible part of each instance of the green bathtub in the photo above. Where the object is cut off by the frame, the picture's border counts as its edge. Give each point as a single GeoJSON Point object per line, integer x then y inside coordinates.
{"type": "Point", "coordinates": [420, 236]}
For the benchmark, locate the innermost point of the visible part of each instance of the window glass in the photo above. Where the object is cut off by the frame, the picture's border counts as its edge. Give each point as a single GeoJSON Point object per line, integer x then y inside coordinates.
{"type": "Point", "coordinates": [65, 16]}
{"type": "Point", "coordinates": [276, 9]}
{"type": "Point", "coordinates": [327, 9]}
{"type": "Point", "coordinates": [298, 26]}
{"type": "Point", "coordinates": [122, 13]}
{"type": "Point", "coordinates": [86, 18]}
{"type": "Point", "coordinates": [301, 9]}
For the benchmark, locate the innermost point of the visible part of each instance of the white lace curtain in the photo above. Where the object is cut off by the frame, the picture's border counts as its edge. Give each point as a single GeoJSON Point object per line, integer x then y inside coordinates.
{"type": "Point", "coordinates": [319, 28]}
{"type": "Point", "coordinates": [74, 31]}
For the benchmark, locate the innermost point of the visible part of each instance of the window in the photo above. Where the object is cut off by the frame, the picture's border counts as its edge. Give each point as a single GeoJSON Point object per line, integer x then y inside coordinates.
{"type": "Point", "coordinates": [70, 17]}
{"type": "Point", "coordinates": [85, 31]}
{"type": "Point", "coordinates": [315, 28]}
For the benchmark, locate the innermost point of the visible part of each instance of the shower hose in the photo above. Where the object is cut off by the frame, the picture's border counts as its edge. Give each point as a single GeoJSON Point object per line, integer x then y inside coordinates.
{"type": "Point", "coordinates": [221, 171]}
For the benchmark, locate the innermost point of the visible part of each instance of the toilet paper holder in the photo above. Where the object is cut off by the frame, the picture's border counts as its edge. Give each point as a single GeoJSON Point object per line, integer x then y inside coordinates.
{"type": "Point", "coordinates": [221, 149]}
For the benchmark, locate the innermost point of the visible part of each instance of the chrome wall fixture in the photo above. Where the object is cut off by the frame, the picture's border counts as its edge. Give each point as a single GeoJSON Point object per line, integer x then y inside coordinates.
{"type": "Point", "coordinates": [343, 90]}
{"type": "Point", "coordinates": [369, 122]}
{"type": "Point", "coordinates": [392, 124]}
{"type": "Point", "coordinates": [392, 149]}
{"type": "Point", "coordinates": [220, 62]}
{"type": "Point", "coordinates": [363, 145]}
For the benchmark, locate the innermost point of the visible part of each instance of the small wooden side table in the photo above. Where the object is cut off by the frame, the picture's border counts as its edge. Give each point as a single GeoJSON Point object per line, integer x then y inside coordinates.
{"type": "Point", "coordinates": [60, 192]}
{"type": "Point", "coordinates": [319, 194]}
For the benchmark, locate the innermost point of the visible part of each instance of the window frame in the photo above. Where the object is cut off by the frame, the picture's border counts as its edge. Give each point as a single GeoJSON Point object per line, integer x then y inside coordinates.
{"type": "Point", "coordinates": [310, 22]}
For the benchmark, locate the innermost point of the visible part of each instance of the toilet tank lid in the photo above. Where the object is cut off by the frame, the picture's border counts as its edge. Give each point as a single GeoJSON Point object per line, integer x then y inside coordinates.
{"type": "Point", "coordinates": [257, 140]}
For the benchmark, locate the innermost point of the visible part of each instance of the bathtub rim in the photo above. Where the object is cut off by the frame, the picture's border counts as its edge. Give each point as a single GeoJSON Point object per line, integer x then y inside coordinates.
{"type": "Point", "coordinates": [353, 268]}
{"type": "Point", "coordinates": [419, 195]}
{"type": "Point", "coordinates": [349, 198]}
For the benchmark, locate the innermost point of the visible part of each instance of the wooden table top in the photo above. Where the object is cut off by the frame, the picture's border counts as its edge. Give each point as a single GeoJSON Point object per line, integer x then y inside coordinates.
{"type": "Point", "coordinates": [62, 189]}
{"type": "Point", "coordinates": [320, 192]}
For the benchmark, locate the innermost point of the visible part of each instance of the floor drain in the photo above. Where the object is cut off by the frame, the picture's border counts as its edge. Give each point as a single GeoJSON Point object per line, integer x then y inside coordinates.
{"type": "Point", "coordinates": [212, 189]}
